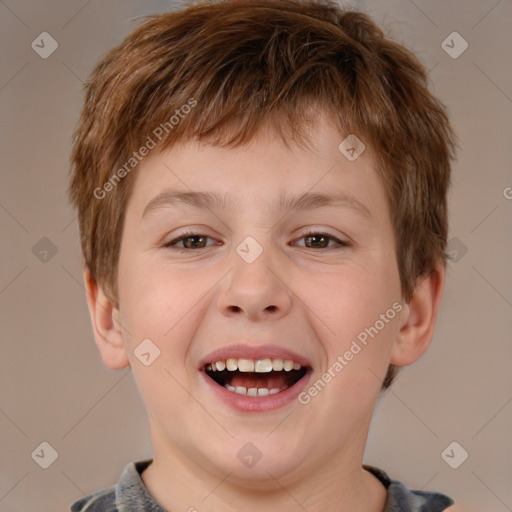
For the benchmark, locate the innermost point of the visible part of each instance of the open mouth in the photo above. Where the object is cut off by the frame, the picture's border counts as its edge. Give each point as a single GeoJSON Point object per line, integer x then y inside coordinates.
{"type": "Point", "coordinates": [260, 377]}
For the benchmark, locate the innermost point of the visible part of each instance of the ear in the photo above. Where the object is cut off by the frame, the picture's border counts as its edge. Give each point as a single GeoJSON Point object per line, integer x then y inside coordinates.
{"type": "Point", "coordinates": [106, 326]}
{"type": "Point", "coordinates": [418, 319]}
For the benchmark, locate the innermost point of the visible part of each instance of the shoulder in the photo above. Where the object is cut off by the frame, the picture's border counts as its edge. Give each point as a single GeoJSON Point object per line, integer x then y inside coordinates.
{"type": "Point", "coordinates": [402, 499]}
{"type": "Point", "coordinates": [128, 494]}
{"type": "Point", "coordinates": [99, 501]}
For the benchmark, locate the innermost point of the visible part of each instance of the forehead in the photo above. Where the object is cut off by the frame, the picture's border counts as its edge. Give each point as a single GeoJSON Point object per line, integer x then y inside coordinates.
{"type": "Point", "coordinates": [265, 170]}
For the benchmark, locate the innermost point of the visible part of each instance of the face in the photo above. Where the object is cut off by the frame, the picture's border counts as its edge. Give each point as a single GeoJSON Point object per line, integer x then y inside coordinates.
{"type": "Point", "coordinates": [285, 271]}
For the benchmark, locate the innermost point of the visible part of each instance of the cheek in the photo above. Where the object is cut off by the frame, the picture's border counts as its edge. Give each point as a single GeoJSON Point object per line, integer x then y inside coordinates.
{"type": "Point", "coordinates": [357, 346]}
{"type": "Point", "coordinates": [161, 306]}
{"type": "Point", "coordinates": [154, 296]}
{"type": "Point", "coordinates": [165, 305]}
{"type": "Point", "coordinates": [350, 297]}
{"type": "Point", "coordinates": [354, 316]}
{"type": "Point", "coordinates": [153, 304]}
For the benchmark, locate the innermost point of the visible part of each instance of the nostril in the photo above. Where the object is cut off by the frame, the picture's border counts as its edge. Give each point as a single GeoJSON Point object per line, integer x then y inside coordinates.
{"type": "Point", "coordinates": [271, 308]}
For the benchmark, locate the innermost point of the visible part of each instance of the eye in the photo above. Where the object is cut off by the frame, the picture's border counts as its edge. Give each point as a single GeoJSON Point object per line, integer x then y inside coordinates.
{"type": "Point", "coordinates": [189, 241]}
{"type": "Point", "coordinates": [313, 240]}
{"type": "Point", "coordinates": [316, 240]}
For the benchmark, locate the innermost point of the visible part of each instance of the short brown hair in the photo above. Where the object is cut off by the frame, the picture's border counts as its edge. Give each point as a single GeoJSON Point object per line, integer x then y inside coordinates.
{"type": "Point", "coordinates": [247, 65]}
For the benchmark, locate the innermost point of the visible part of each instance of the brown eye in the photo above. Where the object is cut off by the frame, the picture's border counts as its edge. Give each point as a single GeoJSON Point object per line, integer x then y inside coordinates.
{"type": "Point", "coordinates": [189, 241]}
{"type": "Point", "coordinates": [317, 241]}
{"type": "Point", "coordinates": [321, 241]}
{"type": "Point", "coordinates": [194, 242]}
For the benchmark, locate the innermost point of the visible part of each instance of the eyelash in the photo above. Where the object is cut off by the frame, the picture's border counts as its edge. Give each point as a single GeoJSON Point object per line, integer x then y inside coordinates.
{"type": "Point", "coordinates": [190, 234]}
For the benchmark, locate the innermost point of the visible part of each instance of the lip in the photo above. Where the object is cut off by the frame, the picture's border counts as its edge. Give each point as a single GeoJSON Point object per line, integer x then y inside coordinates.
{"type": "Point", "coordinates": [243, 403]}
{"type": "Point", "coordinates": [251, 352]}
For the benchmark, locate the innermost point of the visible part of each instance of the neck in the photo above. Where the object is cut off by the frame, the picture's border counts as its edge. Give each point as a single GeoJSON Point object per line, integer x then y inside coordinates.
{"type": "Point", "coordinates": [177, 482]}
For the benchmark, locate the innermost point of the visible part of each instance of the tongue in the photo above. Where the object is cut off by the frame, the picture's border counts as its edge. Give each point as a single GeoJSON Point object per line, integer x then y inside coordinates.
{"type": "Point", "coordinates": [272, 380]}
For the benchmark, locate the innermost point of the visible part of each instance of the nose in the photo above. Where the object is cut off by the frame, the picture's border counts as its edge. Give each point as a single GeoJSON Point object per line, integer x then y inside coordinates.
{"type": "Point", "coordinates": [256, 291]}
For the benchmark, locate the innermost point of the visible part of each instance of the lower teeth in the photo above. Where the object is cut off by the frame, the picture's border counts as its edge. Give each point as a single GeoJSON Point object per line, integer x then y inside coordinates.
{"type": "Point", "coordinates": [241, 390]}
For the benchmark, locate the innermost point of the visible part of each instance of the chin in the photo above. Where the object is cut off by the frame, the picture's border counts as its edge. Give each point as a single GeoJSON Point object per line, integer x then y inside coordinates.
{"type": "Point", "coordinates": [258, 463]}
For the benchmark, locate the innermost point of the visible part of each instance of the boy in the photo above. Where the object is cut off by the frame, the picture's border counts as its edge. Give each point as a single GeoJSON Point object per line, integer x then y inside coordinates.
{"type": "Point", "coordinates": [261, 191]}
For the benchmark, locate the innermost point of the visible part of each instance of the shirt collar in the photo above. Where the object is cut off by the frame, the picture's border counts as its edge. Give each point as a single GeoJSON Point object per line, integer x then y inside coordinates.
{"type": "Point", "coordinates": [131, 493]}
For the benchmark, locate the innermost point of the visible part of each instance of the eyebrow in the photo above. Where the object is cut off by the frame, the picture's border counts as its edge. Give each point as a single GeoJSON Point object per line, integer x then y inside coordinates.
{"type": "Point", "coordinates": [211, 201]}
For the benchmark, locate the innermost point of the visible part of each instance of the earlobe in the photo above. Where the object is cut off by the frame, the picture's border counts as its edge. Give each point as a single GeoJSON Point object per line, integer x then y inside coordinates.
{"type": "Point", "coordinates": [418, 319]}
{"type": "Point", "coordinates": [106, 327]}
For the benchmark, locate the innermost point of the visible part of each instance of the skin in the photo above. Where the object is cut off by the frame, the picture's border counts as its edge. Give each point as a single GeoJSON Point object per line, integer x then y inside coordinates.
{"type": "Point", "coordinates": [314, 301]}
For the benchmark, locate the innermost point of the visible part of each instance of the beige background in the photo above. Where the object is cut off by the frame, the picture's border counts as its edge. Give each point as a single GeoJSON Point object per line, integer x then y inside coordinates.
{"type": "Point", "coordinates": [53, 386]}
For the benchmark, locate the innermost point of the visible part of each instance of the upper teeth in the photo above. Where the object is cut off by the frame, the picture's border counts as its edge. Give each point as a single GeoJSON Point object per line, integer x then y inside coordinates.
{"type": "Point", "coordinates": [259, 365]}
